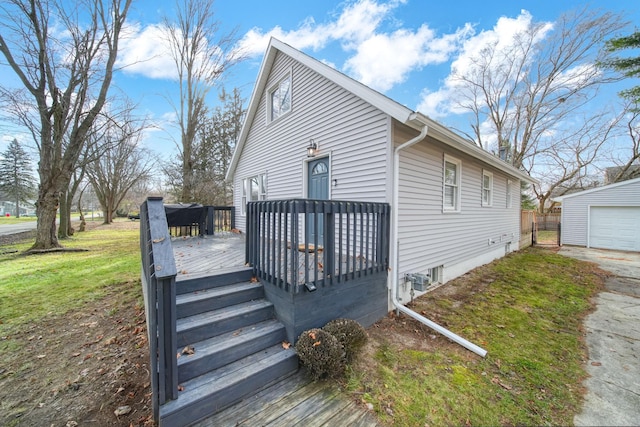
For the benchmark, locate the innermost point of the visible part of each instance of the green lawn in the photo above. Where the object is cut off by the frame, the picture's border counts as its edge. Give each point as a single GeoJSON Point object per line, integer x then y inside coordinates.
{"type": "Point", "coordinates": [36, 285]}
{"type": "Point", "coordinates": [526, 310]}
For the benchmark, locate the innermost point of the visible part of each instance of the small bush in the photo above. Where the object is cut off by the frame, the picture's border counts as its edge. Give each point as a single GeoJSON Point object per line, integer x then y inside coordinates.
{"type": "Point", "coordinates": [351, 335]}
{"type": "Point", "coordinates": [321, 353]}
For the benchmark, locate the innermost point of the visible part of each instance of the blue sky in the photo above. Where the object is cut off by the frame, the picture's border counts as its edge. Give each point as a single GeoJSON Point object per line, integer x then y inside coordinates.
{"type": "Point", "coordinates": [404, 48]}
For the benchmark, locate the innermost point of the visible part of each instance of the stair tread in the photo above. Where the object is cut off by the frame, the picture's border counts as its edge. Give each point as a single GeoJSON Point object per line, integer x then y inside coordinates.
{"type": "Point", "coordinates": [219, 343]}
{"type": "Point", "coordinates": [197, 320]}
{"type": "Point", "coordinates": [215, 292]}
{"type": "Point", "coordinates": [233, 373]}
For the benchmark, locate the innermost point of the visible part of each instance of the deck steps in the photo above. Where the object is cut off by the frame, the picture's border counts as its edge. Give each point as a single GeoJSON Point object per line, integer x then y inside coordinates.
{"type": "Point", "coordinates": [233, 346]}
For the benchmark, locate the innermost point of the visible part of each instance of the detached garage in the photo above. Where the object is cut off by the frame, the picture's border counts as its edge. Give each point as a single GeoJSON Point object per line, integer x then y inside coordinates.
{"type": "Point", "coordinates": [605, 217]}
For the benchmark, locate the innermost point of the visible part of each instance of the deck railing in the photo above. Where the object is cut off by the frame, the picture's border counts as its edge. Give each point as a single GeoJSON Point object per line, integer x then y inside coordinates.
{"type": "Point", "coordinates": [198, 220]}
{"type": "Point", "coordinates": [159, 289]}
{"type": "Point", "coordinates": [301, 243]}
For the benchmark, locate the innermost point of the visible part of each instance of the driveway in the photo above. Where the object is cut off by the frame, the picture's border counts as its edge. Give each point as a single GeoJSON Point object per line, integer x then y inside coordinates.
{"type": "Point", "coordinates": [613, 340]}
{"type": "Point", "coordinates": [6, 229]}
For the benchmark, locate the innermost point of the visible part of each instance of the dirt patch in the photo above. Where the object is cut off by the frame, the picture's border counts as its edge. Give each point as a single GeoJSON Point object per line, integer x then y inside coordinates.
{"type": "Point", "coordinates": [80, 368]}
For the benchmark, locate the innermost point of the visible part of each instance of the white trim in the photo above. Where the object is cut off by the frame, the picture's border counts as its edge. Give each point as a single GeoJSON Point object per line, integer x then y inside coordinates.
{"type": "Point", "coordinates": [488, 203]}
{"type": "Point", "coordinates": [276, 86]}
{"type": "Point", "coordinates": [593, 190]}
{"type": "Point", "coordinates": [305, 174]}
{"type": "Point", "coordinates": [458, 184]}
{"type": "Point", "coordinates": [390, 107]}
{"type": "Point", "coordinates": [245, 191]}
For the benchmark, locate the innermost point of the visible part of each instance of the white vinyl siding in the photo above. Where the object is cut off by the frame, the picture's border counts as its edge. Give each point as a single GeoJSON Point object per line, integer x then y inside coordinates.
{"type": "Point", "coordinates": [351, 130]}
{"type": "Point", "coordinates": [430, 237]}
{"type": "Point", "coordinates": [576, 208]}
{"type": "Point", "coordinates": [509, 201]}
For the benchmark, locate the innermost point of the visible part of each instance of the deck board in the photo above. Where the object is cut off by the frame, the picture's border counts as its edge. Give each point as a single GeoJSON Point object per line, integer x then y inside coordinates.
{"type": "Point", "coordinates": [294, 401]}
{"type": "Point", "coordinates": [197, 256]}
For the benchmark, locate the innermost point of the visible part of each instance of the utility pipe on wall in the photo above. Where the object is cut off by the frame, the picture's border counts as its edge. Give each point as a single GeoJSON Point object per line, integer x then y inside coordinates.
{"type": "Point", "coordinates": [395, 242]}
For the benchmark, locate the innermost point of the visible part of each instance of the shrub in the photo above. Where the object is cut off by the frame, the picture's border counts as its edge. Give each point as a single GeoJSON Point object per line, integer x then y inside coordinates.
{"type": "Point", "coordinates": [350, 334]}
{"type": "Point", "coordinates": [321, 353]}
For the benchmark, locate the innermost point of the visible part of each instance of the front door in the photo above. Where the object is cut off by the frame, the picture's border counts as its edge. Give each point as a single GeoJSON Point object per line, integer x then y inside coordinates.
{"type": "Point", "coordinates": [318, 188]}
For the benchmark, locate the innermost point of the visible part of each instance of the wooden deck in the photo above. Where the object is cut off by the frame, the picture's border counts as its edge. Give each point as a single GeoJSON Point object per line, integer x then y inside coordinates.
{"type": "Point", "coordinates": [200, 256]}
{"type": "Point", "coordinates": [295, 401]}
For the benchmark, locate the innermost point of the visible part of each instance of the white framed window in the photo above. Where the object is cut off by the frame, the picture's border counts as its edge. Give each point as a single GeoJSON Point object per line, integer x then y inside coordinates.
{"type": "Point", "coordinates": [451, 184]}
{"type": "Point", "coordinates": [253, 189]}
{"type": "Point", "coordinates": [280, 98]}
{"type": "Point", "coordinates": [509, 191]}
{"type": "Point", "coordinates": [487, 188]}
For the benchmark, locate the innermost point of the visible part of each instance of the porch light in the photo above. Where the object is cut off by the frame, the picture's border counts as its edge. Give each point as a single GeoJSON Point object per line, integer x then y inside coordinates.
{"type": "Point", "coordinates": [312, 148]}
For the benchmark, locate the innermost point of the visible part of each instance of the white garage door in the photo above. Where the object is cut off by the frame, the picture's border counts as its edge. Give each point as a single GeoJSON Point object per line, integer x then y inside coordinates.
{"type": "Point", "coordinates": [615, 228]}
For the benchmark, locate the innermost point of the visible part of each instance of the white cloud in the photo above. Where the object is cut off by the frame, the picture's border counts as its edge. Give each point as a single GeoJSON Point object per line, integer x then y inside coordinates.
{"type": "Point", "coordinates": [145, 51]}
{"type": "Point", "coordinates": [380, 59]}
{"type": "Point", "coordinates": [502, 37]}
{"type": "Point", "coordinates": [384, 60]}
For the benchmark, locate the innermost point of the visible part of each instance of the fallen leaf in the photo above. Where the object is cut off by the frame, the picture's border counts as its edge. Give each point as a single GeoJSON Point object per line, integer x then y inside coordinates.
{"type": "Point", "coordinates": [254, 279]}
{"type": "Point", "coordinates": [286, 345]}
{"type": "Point", "coordinates": [317, 343]}
{"type": "Point", "coordinates": [180, 388]}
{"type": "Point", "coordinates": [158, 240]}
{"type": "Point", "coordinates": [188, 350]}
{"type": "Point", "coordinates": [41, 356]}
{"type": "Point", "coordinates": [312, 335]}
{"type": "Point", "coordinates": [596, 364]}
{"type": "Point", "coordinates": [122, 410]}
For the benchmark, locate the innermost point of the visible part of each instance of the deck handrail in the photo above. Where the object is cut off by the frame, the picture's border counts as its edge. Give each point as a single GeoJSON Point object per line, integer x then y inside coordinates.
{"type": "Point", "coordinates": [159, 289]}
{"type": "Point", "coordinates": [305, 244]}
{"type": "Point", "coordinates": [185, 219]}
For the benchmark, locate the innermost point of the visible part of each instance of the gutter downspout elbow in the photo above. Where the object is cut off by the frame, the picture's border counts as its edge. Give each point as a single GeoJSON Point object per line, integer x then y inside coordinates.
{"type": "Point", "coordinates": [394, 241]}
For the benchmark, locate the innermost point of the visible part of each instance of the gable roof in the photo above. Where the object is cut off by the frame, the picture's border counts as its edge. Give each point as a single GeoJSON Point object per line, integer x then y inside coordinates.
{"type": "Point", "coordinates": [401, 113]}
{"type": "Point", "coordinates": [603, 188]}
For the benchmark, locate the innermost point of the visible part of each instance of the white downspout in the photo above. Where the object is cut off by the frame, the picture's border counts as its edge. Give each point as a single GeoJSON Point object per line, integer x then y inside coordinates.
{"type": "Point", "coordinates": [395, 264]}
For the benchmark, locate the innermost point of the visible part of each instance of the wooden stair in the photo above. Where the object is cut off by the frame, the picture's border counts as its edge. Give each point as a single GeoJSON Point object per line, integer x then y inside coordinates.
{"type": "Point", "coordinates": [236, 345]}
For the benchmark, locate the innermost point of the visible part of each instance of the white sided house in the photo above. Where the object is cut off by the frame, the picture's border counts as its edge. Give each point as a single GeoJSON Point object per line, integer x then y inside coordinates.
{"type": "Point", "coordinates": [312, 132]}
{"type": "Point", "coordinates": [605, 217]}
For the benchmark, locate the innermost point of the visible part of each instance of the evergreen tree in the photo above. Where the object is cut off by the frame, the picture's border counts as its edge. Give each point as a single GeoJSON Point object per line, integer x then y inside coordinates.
{"type": "Point", "coordinates": [629, 66]}
{"type": "Point", "coordinates": [16, 180]}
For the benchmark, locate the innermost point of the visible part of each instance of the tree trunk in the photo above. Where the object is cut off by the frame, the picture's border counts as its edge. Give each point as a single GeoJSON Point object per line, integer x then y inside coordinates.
{"type": "Point", "coordinates": [46, 208]}
{"type": "Point", "coordinates": [65, 221]}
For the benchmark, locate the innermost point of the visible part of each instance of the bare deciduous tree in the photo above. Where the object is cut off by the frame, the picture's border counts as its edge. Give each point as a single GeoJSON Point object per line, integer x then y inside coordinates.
{"type": "Point", "coordinates": [119, 163]}
{"type": "Point", "coordinates": [528, 96]}
{"type": "Point", "coordinates": [65, 71]}
{"type": "Point", "coordinates": [201, 56]}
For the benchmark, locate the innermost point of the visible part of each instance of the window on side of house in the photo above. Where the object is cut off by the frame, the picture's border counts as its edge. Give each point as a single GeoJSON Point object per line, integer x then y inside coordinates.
{"type": "Point", "coordinates": [487, 188]}
{"type": "Point", "coordinates": [451, 184]}
{"type": "Point", "coordinates": [509, 190]}
{"type": "Point", "coordinates": [280, 98]}
{"type": "Point", "coordinates": [253, 189]}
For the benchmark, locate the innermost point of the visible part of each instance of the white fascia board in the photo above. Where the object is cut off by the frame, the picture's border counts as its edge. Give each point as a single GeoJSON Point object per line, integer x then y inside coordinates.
{"type": "Point", "coordinates": [593, 190]}
{"type": "Point", "coordinates": [453, 140]}
{"type": "Point", "coordinates": [258, 88]}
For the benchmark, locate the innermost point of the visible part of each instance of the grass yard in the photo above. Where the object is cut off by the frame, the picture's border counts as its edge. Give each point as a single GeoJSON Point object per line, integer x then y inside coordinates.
{"type": "Point", "coordinates": [72, 335]}
{"type": "Point", "coordinates": [526, 310]}
{"type": "Point", "coordinates": [36, 285]}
